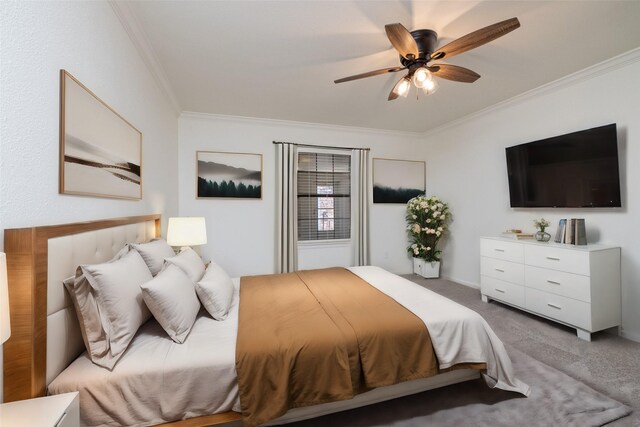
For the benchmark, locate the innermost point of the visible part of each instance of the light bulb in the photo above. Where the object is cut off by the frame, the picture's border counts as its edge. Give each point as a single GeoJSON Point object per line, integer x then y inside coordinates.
{"type": "Point", "coordinates": [402, 87]}
{"type": "Point", "coordinates": [430, 86]}
{"type": "Point", "coordinates": [421, 77]}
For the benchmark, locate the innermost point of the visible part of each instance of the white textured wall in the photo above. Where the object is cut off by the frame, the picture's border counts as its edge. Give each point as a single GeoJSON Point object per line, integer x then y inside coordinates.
{"type": "Point", "coordinates": [241, 233]}
{"type": "Point", "coordinates": [467, 168]}
{"type": "Point", "coordinates": [87, 39]}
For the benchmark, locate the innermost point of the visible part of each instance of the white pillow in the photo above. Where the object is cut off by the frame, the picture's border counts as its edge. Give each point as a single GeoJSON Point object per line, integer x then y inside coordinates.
{"type": "Point", "coordinates": [153, 253]}
{"type": "Point", "coordinates": [116, 288]}
{"type": "Point", "coordinates": [215, 291]}
{"type": "Point", "coordinates": [173, 302]}
{"type": "Point", "coordinates": [84, 301]}
{"type": "Point", "coordinates": [190, 262]}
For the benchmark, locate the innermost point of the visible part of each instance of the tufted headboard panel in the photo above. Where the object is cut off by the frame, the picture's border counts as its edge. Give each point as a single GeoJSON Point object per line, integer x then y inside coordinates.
{"type": "Point", "coordinates": [64, 341]}
{"type": "Point", "coordinates": [45, 335]}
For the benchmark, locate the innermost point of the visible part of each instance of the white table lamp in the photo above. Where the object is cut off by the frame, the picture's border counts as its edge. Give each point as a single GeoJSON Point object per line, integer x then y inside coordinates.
{"type": "Point", "coordinates": [5, 320]}
{"type": "Point", "coordinates": [186, 231]}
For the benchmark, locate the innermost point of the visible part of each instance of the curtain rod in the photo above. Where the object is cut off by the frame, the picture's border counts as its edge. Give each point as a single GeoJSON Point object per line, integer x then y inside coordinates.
{"type": "Point", "coordinates": [323, 146]}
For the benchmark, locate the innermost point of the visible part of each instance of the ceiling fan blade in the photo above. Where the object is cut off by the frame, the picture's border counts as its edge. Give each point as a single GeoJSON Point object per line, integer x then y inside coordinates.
{"type": "Point", "coordinates": [454, 72]}
{"type": "Point", "coordinates": [476, 38]}
{"type": "Point", "coordinates": [369, 74]}
{"type": "Point", "coordinates": [402, 40]}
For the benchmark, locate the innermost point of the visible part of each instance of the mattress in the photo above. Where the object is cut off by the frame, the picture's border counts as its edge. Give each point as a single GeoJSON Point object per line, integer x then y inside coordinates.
{"type": "Point", "coordinates": [158, 380]}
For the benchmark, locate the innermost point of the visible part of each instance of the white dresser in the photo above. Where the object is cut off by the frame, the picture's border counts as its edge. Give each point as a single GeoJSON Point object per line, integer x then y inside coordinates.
{"type": "Point", "coordinates": [578, 286]}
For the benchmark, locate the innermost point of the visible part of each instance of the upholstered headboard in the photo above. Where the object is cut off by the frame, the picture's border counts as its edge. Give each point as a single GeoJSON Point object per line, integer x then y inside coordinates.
{"type": "Point", "coordinates": [45, 335]}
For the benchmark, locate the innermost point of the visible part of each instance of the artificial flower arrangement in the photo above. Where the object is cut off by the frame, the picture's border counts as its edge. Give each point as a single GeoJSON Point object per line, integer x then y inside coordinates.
{"type": "Point", "coordinates": [427, 219]}
{"type": "Point", "coordinates": [541, 224]}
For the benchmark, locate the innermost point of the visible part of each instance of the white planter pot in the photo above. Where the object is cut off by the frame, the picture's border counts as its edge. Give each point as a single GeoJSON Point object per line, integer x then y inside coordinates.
{"type": "Point", "coordinates": [428, 270]}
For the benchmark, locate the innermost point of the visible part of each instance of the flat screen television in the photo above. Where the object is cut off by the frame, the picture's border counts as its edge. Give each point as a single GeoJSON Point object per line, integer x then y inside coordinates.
{"type": "Point", "coordinates": [575, 170]}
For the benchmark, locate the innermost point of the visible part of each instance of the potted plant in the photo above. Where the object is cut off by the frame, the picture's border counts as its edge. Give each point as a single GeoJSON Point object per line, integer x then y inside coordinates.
{"type": "Point", "coordinates": [427, 219]}
{"type": "Point", "coordinates": [541, 224]}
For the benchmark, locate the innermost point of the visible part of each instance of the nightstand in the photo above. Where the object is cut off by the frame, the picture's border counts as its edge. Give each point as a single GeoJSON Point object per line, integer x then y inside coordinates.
{"type": "Point", "coordinates": [60, 410]}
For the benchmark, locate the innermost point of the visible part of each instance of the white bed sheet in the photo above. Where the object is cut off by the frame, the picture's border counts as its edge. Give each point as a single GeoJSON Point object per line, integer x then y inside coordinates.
{"type": "Point", "coordinates": [158, 380]}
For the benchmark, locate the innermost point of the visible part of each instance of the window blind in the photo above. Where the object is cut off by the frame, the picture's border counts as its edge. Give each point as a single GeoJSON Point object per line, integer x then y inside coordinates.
{"type": "Point", "coordinates": [324, 196]}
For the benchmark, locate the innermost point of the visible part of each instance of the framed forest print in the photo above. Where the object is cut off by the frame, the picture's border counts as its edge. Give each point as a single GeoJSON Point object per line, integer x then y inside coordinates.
{"type": "Point", "coordinates": [397, 181]}
{"type": "Point", "coordinates": [100, 152]}
{"type": "Point", "coordinates": [228, 175]}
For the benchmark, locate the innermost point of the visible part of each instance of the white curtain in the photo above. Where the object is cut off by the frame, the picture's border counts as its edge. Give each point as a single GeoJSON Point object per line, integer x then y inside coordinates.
{"type": "Point", "coordinates": [286, 208]}
{"type": "Point", "coordinates": [360, 210]}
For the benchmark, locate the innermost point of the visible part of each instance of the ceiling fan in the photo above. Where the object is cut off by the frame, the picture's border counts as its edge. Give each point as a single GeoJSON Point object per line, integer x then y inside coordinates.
{"type": "Point", "coordinates": [417, 51]}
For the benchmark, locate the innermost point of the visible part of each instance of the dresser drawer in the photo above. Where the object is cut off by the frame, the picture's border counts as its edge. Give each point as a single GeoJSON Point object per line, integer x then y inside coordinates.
{"type": "Point", "coordinates": [572, 261]}
{"type": "Point", "coordinates": [570, 285]}
{"type": "Point", "coordinates": [503, 270]}
{"type": "Point", "coordinates": [508, 251]}
{"type": "Point", "coordinates": [567, 310]}
{"type": "Point", "coordinates": [502, 291]}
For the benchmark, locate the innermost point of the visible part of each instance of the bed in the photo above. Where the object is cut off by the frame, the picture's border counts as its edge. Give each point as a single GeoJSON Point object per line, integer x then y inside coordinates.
{"type": "Point", "coordinates": [45, 351]}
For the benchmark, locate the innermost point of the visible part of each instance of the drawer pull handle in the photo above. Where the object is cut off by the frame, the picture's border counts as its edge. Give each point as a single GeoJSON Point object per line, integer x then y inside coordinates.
{"type": "Point", "coordinates": [557, 307]}
{"type": "Point", "coordinates": [500, 290]}
{"type": "Point", "coordinates": [553, 258]}
{"type": "Point", "coordinates": [501, 271]}
{"type": "Point", "coordinates": [499, 250]}
{"type": "Point", "coordinates": [553, 282]}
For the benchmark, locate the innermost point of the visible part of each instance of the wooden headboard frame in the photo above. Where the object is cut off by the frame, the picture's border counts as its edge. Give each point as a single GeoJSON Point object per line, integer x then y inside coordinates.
{"type": "Point", "coordinates": [25, 353]}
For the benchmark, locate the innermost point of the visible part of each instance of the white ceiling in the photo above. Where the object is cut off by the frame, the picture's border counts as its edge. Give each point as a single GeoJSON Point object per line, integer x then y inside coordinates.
{"type": "Point", "coordinates": [278, 59]}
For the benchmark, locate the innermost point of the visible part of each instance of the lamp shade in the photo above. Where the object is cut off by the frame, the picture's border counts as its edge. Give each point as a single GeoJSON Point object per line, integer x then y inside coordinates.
{"type": "Point", "coordinates": [186, 231]}
{"type": "Point", "coordinates": [5, 320]}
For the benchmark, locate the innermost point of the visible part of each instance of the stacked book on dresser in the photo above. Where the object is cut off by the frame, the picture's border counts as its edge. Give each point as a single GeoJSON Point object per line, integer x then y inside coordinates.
{"type": "Point", "coordinates": [571, 231]}
{"type": "Point", "coordinates": [517, 234]}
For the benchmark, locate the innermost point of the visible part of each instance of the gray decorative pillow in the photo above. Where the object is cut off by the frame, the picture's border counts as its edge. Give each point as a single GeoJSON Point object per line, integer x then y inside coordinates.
{"type": "Point", "coordinates": [215, 291]}
{"type": "Point", "coordinates": [173, 302]}
{"type": "Point", "coordinates": [116, 289]}
{"type": "Point", "coordinates": [153, 253]}
{"type": "Point", "coordinates": [84, 301]}
{"type": "Point", "coordinates": [190, 262]}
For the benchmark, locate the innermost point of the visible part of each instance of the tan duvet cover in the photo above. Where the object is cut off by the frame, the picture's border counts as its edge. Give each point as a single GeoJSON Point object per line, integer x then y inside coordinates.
{"type": "Point", "coordinates": [317, 336]}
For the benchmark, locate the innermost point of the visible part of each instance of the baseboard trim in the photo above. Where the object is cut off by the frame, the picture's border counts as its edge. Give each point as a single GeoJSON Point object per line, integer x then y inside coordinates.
{"type": "Point", "coordinates": [630, 336]}
{"type": "Point", "coordinates": [462, 282]}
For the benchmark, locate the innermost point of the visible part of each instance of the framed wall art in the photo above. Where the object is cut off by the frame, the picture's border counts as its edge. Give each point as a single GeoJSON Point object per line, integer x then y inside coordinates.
{"type": "Point", "coordinates": [228, 175]}
{"type": "Point", "coordinates": [397, 181]}
{"type": "Point", "coordinates": [100, 152]}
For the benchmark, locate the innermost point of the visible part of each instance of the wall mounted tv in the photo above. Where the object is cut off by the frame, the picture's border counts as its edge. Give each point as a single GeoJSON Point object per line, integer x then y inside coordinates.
{"type": "Point", "coordinates": [575, 170]}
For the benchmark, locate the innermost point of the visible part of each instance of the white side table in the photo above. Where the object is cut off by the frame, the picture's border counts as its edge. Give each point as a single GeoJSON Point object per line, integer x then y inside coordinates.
{"type": "Point", "coordinates": [60, 410]}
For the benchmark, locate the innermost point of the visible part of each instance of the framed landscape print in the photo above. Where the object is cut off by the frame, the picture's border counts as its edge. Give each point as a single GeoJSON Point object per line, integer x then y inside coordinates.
{"type": "Point", "coordinates": [397, 181]}
{"type": "Point", "coordinates": [228, 175]}
{"type": "Point", "coordinates": [100, 152]}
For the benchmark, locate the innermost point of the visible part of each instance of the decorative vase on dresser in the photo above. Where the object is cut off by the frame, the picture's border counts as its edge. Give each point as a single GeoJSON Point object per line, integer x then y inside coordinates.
{"type": "Point", "coordinates": [578, 286]}
{"type": "Point", "coordinates": [541, 236]}
{"type": "Point", "coordinates": [426, 269]}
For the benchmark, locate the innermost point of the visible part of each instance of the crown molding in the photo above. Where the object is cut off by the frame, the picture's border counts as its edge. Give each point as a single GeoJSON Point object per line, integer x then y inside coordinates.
{"type": "Point", "coordinates": [134, 30]}
{"type": "Point", "coordinates": [291, 123]}
{"type": "Point", "coordinates": [604, 67]}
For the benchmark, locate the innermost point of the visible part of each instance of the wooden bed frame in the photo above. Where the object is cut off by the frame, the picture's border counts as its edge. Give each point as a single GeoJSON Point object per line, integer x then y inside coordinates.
{"type": "Point", "coordinates": [25, 353]}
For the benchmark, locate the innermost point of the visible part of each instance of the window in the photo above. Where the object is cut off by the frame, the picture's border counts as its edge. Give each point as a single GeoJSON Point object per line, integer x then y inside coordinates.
{"type": "Point", "coordinates": [324, 196]}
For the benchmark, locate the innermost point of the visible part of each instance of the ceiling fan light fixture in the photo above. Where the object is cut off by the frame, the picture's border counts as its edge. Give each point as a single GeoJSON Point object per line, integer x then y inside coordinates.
{"type": "Point", "coordinates": [402, 87]}
{"type": "Point", "coordinates": [421, 77]}
{"type": "Point", "coordinates": [430, 86]}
